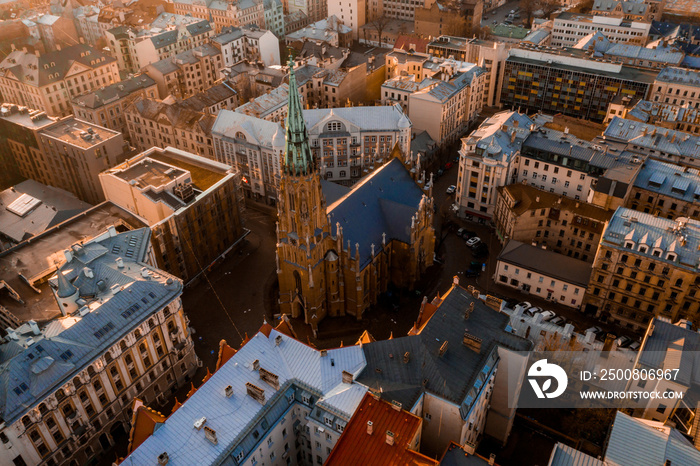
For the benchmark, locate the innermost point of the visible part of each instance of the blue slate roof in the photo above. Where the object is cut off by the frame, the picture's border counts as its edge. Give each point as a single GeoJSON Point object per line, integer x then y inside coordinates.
{"type": "Point", "coordinates": [32, 369]}
{"type": "Point", "coordinates": [664, 140]}
{"type": "Point", "coordinates": [383, 202]}
{"type": "Point", "coordinates": [669, 179]}
{"type": "Point", "coordinates": [628, 225]}
{"type": "Point", "coordinates": [456, 375]}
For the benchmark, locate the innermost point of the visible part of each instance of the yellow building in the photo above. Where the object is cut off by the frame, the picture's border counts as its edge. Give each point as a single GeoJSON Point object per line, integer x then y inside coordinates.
{"type": "Point", "coordinates": [339, 249]}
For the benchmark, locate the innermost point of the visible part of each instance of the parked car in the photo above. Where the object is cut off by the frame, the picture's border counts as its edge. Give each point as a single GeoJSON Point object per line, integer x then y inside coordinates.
{"type": "Point", "coordinates": [481, 251]}
{"type": "Point", "coordinates": [471, 242]}
{"type": "Point", "coordinates": [595, 330]}
{"type": "Point", "coordinates": [634, 346]}
{"type": "Point", "coordinates": [440, 172]}
{"type": "Point", "coordinates": [465, 234]}
{"type": "Point", "coordinates": [548, 315]}
{"type": "Point", "coordinates": [558, 320]}
{"type": "Point", "coordinates": [525, 305]}
{"type": "Point", "coordinates": [448, 165]}
{"type": "Point", "coordinates": [495, 21]}
{"type": "Point", "coordinates": [451, 189]}
{"type": "Point", "coordinates": [623, 341]}
{"type": "Point", "coordinates": [530, 312]}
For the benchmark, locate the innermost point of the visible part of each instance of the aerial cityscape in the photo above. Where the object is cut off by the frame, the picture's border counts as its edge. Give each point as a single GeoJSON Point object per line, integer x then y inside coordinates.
{"type": "Point", "coordinates": [350, 232]}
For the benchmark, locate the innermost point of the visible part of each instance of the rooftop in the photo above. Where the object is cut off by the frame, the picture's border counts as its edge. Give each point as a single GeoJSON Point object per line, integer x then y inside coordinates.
{"type": "Point", "coordinates": [457, 375]}
{"type": "Point", "coordinates": [529, 198]}
{"type": "Point", "coordinates": [564, 455]}
{"type": "Point", "coordinates": [676, 242]}
{"type": "Point", "coordinates": [30, 207]}
{"type": "Point", "coordinates": [22, 116]}
{"type": "Point", "coordinates": [80, 133]}
{"type": "Point", "coordinates": [179, 114]}
{"type": "Point", "coordinates": [26, 266]}
{"type": "Point", "coordinates": [357, 446]}
{"type": "Point", "coordinates": [114, 92]}
{"type": "Point", "coordinates": [298, 368]}
{"type": "Point", "coordinates": [669, 179]}
{"type": "Point", "coordinates": [267, 103]}
{"type": "Point", "coordinates": [455, 455]}
{"type": "Point", "coordinates": [646, 136]}
{"type": "Point", "coordinates": [35, 364]}
{"type": "Point", "coordinates": [545, 262]}
{"type": "Point", "coordinates": [679, 76]}
{"type": "Point", "coordinates": [494, 139]}
{"type": "Point", "coordinates": [214, 95]}
{"type": "Point", "coordinates": [379, 118]}
{"type": "Point", "coordinates": [320, 30]}
{"type": "Point", "coordinates": [261, 132]}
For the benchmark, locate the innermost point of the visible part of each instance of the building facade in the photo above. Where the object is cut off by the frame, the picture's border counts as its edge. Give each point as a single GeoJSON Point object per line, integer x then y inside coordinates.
{"type": "Point", "coordinates": [113, 345]}
{"type": "Point", "coordinates": [50, 81]}
{"type": "Point", "coordinates": [192, 204]}
{"type": "Point", "coordinates": [646, 267]}
{"type": "Point", "coordinates": [569, 28]}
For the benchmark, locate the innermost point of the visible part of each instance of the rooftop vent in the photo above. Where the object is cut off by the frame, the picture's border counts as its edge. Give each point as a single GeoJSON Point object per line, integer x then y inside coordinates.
{"type": "Point", "coordinates": [199, 423]}
{"type": "Point", "coordinates": [210, 435]}
{"type": "Point", "coordinates": [389, 438]}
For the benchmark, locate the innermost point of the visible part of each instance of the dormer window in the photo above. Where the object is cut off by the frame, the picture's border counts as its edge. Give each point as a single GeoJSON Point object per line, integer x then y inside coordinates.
{"type": "Point", "coordinates": [656, 253]}
{"type": "Point", "coordinates": [643, 248]}
{"type": "Point", "coordinates": [671, 256]}
{"type": "Point", "coordinates": [629, 244]}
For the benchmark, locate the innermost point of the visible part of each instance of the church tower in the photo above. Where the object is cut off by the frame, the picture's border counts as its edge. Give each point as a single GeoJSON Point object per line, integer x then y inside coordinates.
{"type": "Point", "coordinates": [303, 231]}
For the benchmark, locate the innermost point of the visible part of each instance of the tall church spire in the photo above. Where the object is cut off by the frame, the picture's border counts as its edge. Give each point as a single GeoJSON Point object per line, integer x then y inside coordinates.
{"type": "Point", "coordinates": [297, 154]}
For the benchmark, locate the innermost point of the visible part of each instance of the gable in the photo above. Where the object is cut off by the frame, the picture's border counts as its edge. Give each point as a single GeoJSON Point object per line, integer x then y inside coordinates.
{"type": "Point", "coordinates": [76, 68]}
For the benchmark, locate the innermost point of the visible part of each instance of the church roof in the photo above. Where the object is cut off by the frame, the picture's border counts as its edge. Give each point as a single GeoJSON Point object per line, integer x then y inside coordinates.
{"type": "Point", "coordinates": [383, 203]}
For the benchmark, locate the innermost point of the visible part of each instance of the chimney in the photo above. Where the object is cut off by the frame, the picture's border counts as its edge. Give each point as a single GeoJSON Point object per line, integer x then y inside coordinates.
{"type": "Point", "coordinates": [472, 342]}
{"type": "Point", "coordinates": [210, 434]}
{"type": "Point", "coordinates": [68, 255]}
{"type": "Point", "coordinates": [256, 365]}
{"type": "Point", "coordinates": [324, 353]}
{"type": "Point", "coordinates": [443, 348]}
{"type": "Point", "coordinates": [228, 391]}
{"type": "Point", "coordinates": [492, 459]}
{"type": "Point", "coordinates": [347, 377]}
{"type": "Point", "coordinates": [34, 327]}
{"type": "Point", "coordinates": [389, 438]}
{"type": "Point", "coordinates": [369, 427]}
{"type": "Point", "coordinates": [396, 405]}
{"type": "Point", "coordinates": [469, 448]}
{"type": "Point", "coordinates": [537, 198]}
{"type": "Point", "coordinates": [163, 458]}
{"type": "Point", "coordinates": [58, 47]}
{"type": "Point", "coordinates": [120, 262]}
{"type": "Point", "coordinates": [469, 310]}
{"type": "Point", "coordinates": [512, 137]}
{"type": "Point", "coordinates": [406, 357]}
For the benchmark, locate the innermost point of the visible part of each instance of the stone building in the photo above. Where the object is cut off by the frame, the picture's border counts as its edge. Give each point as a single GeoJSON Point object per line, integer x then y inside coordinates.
{"type": "Point", "coordinates": [646, 267]}
{"type": "Point", "coordinates": [557, 223]}
{"type": "Point", "coordinates": [339, 249]}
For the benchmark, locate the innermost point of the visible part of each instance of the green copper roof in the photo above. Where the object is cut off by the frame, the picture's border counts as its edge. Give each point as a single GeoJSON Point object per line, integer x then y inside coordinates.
{"type": "Point", "coordinates": [297, 154]}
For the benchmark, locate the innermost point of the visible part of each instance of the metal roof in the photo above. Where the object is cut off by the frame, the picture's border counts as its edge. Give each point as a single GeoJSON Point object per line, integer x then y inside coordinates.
{"type": "Point", "coordinates": [234, 418]}
{"type": "Point", "coordinates": [644, 135]}
{"type": "Point", "coordinates": [548, 263]}
{"type": "Point", "coordinates": [564, 455]}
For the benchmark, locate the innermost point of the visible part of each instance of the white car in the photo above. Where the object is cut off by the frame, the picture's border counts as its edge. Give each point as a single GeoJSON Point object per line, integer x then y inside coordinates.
{"type": "Point", "coordinates": [532, 311]}
{"type": "Point", "coordinates": [525, 305]}
{"type": "Point", "coordinates": [472, 242]}
{"type": "Point", "coordinates": [548, 315]}
{"type": "Point", "coordinates": [451, 189]}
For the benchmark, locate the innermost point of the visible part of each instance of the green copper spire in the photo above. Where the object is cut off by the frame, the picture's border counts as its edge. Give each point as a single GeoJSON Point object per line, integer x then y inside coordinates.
{"type": "Point", "coordinates": [297, 154]}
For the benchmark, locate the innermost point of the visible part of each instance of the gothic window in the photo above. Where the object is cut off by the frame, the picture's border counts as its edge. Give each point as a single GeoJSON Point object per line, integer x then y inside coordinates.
{"type": "Point", "coordinates": [297, 281]}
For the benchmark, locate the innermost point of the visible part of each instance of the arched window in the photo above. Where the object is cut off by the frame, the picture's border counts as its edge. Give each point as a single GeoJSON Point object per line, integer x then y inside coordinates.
{"type": "Point", "coordinates": [26, 421]}
{"type": "Point", "coordinates": [679, 282]}
{"type": "Point", "coordinates": [297, 282]}
{"type": "Point", "coordinates": [122, 345]}
{"type": "Point", "coordinates": [43, 409]}
{"type": "Point", "coordinates": [91, 371]}
{"type": "Point", "coordinates": [60, 394]}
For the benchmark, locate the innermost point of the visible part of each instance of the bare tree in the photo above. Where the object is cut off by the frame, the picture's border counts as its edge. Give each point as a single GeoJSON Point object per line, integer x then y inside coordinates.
{"type": "Point", "coordinates": [547, 6]}
{"type": "Point", "coordinates": [379, 23]}
{"type": "Point", "coordinates": [456, 26]}
{"type": "Point", "coordinates": [529, 7]}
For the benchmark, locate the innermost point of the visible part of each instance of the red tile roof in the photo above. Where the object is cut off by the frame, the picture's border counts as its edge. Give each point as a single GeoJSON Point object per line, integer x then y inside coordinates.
{"type": "Point", "coordinates": [356, 446]}
{"type": "Point", "coordinates": [404, 42]}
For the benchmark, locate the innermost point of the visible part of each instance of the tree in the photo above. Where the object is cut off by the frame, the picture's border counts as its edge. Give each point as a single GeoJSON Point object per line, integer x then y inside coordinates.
{"type": "Point", "coordinates": [548, 7]}
{"type": "Point", "coordinates": [379, 23]}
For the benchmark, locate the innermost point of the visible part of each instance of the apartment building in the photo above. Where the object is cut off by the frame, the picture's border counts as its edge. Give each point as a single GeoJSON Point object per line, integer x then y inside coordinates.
{"type": "Point", "coordinates": [446, 107]}
{"type": "Point", "coordinates": [681, 118]}
{"type": "Point", "coordinates": [265, 14]}
{"type": "Point", "coordinates": [352, 13]}
{"type": "Point", "coordinates": [279, 399]}
{"type": "Point", "coordinates": [381, 433]}
{"type": "Point", "coordinates": [271, 106]}
{"type": "Point", "coordinates": [51, 80]}
{"type": "Point", "coordinates": [254, 147]}
{"type": "Point", "coordinates": [75, 152]}
{"type": "Point", "coordinates": [74, 378]}
{"type": "Point", "coordinates": [657, 55]}
{"type": "Point", "coordinates": [459, 336]}
{"type": "Point", "coordinates": [154, 123]}
{"type": "Point", "coordinates": [646, 267]}
{"type": "Point", "coordinates": [187, 73]}
{"type": "Point", "coordinates": [553, 82]}
{"type": "Point", "coordinates": [677, 86]}
{"type": "Point", "coordinates": [218, 97]}
{"type": "Point", "coordinates": [543, 273]}
{"type": "Point", "coordinates": [570, 27]}
{"type": "Point", "coordinates": [648, 140]}
{"type": "Point", "coordinates": [330, 30]}
{"type": "Point", "coordinates": [349, 142]}
{"type": "Point", "coordinates": [105, 106]}
{"type": "Point", "coordinates": [247, 43]}
{"type": "Point", "coordinates": [87, 24]}
{"type": "Point", "coordinates": [666, 190]}
{"type": "Point", "coordinates": [168, 35]}
{"type": "Point", "coordinates": [438, 19]}
{"type": "Point", "coordinates": [630, 11]}
{"type": "Point", "coordinates": [485, 162]}
{"type": "Point", "coordinates": [192, 204]}
{"type": "Point", "coordinates": [560, 224]}
{"type": "Point", "coordinates": [314, 10]}
{"type": "Point", "coordinates": [56, 31]}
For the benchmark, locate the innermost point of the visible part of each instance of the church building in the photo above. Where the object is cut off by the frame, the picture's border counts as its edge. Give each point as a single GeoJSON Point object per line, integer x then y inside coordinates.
{"type": "Point", "coordinates": [339, 248]}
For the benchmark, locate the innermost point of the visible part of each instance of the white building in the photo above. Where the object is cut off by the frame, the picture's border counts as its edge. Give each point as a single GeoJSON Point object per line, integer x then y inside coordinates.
{"type": "Point", "coordinates": [254, 147]}
{"type": "Point", "coordinates": [248, 43]}
{"type": "Point", "coordinates": [349, 142]}
{"type": "Point", "coordinates": [570, 28]}
{"type": "Point", "coordinates": [546, 274]}
{"type": "Point", "coordinates": [350, 12]}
